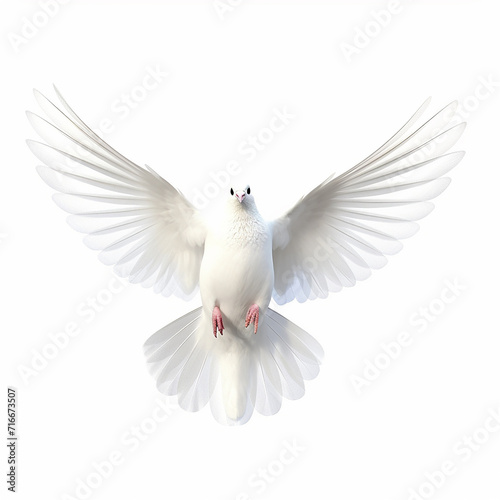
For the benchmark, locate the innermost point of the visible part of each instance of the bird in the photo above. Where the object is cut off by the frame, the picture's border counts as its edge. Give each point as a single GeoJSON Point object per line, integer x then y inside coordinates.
{"type": "Point", "coordinates": [234, 353]}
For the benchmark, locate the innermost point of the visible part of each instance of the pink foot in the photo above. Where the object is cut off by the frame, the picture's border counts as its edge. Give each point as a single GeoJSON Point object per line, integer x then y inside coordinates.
{"type": "Point", "coordinates": [253, 317]}
{"type": "Point", "coordinates": [217, 321]}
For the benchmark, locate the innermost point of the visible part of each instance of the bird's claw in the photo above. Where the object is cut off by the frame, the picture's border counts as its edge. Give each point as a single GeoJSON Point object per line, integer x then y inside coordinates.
{"type": "Point", "coordinates": [253, 317]}
{"type": "Point", "coordinates": [217, 321]}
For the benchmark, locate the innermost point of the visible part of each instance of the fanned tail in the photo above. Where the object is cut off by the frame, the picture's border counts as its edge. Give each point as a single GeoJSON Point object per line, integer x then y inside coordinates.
{"type": "Point", "coordinates": [236, 372]}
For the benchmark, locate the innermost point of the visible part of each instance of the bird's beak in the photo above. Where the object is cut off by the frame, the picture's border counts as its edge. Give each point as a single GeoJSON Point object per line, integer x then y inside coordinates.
{"type": "Point", "coordinates": [240, 195]}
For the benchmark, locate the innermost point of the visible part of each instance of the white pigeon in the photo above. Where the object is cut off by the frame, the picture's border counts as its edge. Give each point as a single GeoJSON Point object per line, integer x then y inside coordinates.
{"type": "Point", "coordinates": [330, 239]}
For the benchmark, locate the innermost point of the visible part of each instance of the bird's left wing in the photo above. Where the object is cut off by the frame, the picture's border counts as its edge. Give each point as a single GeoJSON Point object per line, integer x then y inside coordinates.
{"type": "Point", "coordinates": [141, 224]}
{"type": "Point", "coordinates": [344, 227]}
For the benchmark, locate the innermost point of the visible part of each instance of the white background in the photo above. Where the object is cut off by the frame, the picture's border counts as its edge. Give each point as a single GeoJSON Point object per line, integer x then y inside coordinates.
{"type": "Point", "coordinates": [225, 77]}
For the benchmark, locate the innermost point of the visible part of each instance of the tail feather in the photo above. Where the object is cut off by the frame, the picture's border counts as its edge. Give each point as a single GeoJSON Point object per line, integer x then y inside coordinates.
{"type": "Point", "coordinates": [236, 372]}
{"type": "Point", "coordinates": [194, 383]}
{"type": "Point", "coordinates": [163, 337]}
{"type": "Point", "coordinates": [303, 346]}
{"type": "Point", "coordinates": [268, 394]}
{"type": "Point", "coordinates": [168, 351]}
{"type": "Point", "coordinates": [291, 378]}
{"type": "Point", "coordinates": [300, 348]}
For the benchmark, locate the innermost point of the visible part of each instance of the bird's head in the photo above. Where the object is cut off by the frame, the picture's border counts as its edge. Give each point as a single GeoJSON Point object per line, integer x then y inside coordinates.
{"type": "Point", "coordinates": [242, 197]}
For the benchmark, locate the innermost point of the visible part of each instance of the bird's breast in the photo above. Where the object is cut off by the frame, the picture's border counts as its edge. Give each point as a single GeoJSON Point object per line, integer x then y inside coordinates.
{"type": "Point", "coordinates": [237, 268]}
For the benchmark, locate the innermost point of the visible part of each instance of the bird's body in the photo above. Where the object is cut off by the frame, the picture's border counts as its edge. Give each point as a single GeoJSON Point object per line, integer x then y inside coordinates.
{"type": "Point", "coordinates": [237, 266]}
{"type": "Point", "coordinates": [237, 274]}
{"type": "Point", "coordinates": [234, 351]}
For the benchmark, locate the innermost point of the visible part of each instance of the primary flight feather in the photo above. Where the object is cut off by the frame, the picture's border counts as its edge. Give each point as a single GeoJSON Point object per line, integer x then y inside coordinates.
{"type": "Point", "coordinates": [234, 351]}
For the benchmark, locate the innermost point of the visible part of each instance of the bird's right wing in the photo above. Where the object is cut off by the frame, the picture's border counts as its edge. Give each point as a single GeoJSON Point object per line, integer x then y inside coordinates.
{"type": "Point", "coordinates": [344, 227]}
{"type": "Point", "coordinates": [141, 224]}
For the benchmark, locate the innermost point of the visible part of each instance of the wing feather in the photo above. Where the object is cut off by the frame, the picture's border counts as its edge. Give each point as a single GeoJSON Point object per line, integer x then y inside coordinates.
{"type": "Point", "coordinates": [139, 222]}
{"type": "Point", "coordinates": [346, 226]}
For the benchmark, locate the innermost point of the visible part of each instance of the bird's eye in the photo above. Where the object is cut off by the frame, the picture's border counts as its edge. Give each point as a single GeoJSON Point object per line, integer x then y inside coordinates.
{"type": "Point", "coordinates": [232, 191]}
{"type": "Point", "coordinates": [248, 190]}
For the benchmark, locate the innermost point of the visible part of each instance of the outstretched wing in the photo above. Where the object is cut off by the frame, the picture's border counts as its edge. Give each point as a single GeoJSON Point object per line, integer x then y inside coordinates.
{"type": "Point", "coordinates": [343, 228]}
{"type": "Point", "coordinates": [140, 223]}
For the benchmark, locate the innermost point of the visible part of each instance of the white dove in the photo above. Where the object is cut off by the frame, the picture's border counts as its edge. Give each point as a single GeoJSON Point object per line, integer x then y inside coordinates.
{"type": "Point", "coordinates": [330, 239]}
